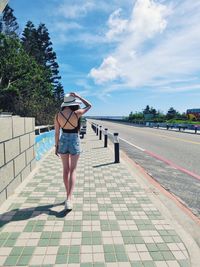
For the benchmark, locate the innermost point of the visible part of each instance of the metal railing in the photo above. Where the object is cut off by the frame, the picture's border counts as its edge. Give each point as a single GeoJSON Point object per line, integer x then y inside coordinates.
{"type": "Point", "coordinates": [181, 127]}
{"type": "Point", "coordinates": [43, 128]}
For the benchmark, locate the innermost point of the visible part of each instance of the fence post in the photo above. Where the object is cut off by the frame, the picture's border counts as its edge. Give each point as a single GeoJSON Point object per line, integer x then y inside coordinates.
{"type": "Point", "coordinates": [116, 147]}
{"type": "Point", "coordinates": [195, 129]}
{"type": "Point", "coordinates": [97, 129]}
{"type": "Point", "coordinates": [106, 138]}
{"type": "Point", "coordinates": [100, 133]}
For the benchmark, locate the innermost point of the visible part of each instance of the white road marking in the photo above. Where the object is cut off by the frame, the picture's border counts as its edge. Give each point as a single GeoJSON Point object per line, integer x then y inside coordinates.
{"type": "Point", "coordinates": [140, 148]}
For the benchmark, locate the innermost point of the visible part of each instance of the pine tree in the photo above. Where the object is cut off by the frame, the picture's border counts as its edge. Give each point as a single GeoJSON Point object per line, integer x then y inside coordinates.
{"type": "Point", "coordinates": [30, 41]}
{"type": "Point", "coordinates": [171, 114]}
{"type": "Point", "coordinates": [47, 56]}
{"type": "Point", "coordinates": [37, 43]}
{"type": "Point", "coordinates": [59, 93]}
{"type": "Point", "coordinates": [146, 110]}
{"type": "Point", "coordinates": [8, 23]}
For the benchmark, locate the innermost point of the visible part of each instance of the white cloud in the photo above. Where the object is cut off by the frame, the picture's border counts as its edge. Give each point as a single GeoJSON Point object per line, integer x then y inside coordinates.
{"type": "Point", "coordinates": [148, 18]}
{"type": "Point", "coordinates": [116, 25]}
{"type": "Point", "coordinates": [79, 8]}
{"type": "Point", "coordinates": [76, 10]}
{"type": "Point", "coordinates": [108, 70]}
{"type": "Point", "coordinates": [161, 45]}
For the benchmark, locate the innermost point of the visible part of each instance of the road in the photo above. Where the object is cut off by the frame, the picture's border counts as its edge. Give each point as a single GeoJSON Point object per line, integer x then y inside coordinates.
{"type": "Point", "coordinates": [182, 150]}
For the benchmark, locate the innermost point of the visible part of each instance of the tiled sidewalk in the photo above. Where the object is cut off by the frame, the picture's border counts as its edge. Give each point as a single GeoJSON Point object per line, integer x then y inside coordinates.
{"type": "Point", "coordinates": [113, 222]}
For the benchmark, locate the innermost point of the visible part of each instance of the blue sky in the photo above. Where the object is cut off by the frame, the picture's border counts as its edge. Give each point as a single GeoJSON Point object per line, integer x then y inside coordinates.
{"type": "Point", "coordinates": [123, 54]}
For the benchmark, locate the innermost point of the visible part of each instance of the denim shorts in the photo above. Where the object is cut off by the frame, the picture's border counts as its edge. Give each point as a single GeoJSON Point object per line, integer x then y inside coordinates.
{"type": "Point", "coordinates": [69, 143]}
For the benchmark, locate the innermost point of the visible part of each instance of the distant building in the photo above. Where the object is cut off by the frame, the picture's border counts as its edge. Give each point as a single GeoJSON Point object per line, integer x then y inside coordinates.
{"type": "Point", "coordinates": [193, 114]}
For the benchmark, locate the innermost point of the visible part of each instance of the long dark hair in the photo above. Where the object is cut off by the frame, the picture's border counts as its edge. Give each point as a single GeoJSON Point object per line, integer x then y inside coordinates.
{"type": "Point", "coordinates": [73, 108]}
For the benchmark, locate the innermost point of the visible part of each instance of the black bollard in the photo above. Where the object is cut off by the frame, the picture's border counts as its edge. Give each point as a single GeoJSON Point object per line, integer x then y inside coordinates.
{"type": "Point", "coordinates": [106, 138]}
{"type": "Point", "coordinates": [100, 132]}
{"type": "Point", "coordinates": [116, 147]}
{"type": "Point", "coordinates": [195, 129]}
{"type": "Point", "coordinates": [97, 130]}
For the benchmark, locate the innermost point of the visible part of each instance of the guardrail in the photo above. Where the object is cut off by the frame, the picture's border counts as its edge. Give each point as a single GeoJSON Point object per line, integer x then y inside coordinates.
{"type": "Point", "coordinates": [48, 128]}
{"type": "Point", "coordinates": [184, 127]}
{"type": "Point", "coordinates": [43, 128]}
{"type": "Point", "coordinates": [190, 128]}
{"type": "Point", "coordinates": [98, 130]}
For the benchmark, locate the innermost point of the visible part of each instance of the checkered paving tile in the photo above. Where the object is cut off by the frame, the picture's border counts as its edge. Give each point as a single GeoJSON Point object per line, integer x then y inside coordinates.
{"type": "Point", "coordinates": [113, 222]}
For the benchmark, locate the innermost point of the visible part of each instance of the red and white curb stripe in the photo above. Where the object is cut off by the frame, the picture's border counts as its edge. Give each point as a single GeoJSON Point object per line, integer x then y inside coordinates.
{"type": "Point", "coordinates": [164, 160]}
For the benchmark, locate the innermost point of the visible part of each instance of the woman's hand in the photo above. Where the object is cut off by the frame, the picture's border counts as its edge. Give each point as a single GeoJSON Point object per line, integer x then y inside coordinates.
{"type": "Point", "coordinates": [74, 95]}
{"type": "Point", "coordinates": [56, 151]}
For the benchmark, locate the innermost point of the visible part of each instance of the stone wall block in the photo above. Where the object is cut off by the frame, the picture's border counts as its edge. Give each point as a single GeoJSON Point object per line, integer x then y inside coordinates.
{"type": "Point", "coordinates": [32, 138]}
{"type": "Point", "coordinates": [24, 142]}
{"type": "Point", "coordinates": [29, 125]}
{"type": "Point", "coordinates": [26, 171]}
{"type": "Point", "coordinates": [17, 155]}
{"type": "Point", "coordinates": [2, 160]}
{"type": "Point", "coordinates": [11, 149]}
{"type": "Point", "coordinates": [19, 163]}
{"type": "Point", "coordinates": [5, 128]}
{"type": "Point", "coordinates": [29, 155]}
{"type": "Point", "coordinates": [33, 164]}
{"type": "Point", "coordinates": [2, 197]}
{"type": "Point", "coordinates": [18, 126]}
{"type": "Point", "coordinates": [13, 185]}
{"type": "Point", "coordinates": [6, 174]}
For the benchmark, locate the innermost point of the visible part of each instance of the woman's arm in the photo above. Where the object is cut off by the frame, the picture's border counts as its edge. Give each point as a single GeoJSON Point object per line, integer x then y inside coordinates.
{"type": "Point", "coordinates": [87, 104]}
{"type": "Point", "coordinates": [57, 133]}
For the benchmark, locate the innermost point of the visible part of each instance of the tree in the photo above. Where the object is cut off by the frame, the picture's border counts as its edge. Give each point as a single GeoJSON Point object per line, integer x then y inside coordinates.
{"type": "Point", "coordinates": [146, 110]}
{"type": "Point", "coordinates": [48, 56]}
{"type": "Point", "coordinates": [171, 114]}
{"type": "Point", "coordinates": [24, 84]}
{"type": "Point", "coordinates": [59, 93]}
{"type": "Point", "coordinates": [153, 111]}
{"type": "Point", "coordinates": [10, 71]}
{"type": "Point", "coordinates": [37, 43]}
{"type": "Point", "coordinates": [30, 41]}
{"type": "Point", "coordinates": [29, 73]}
{"type": "Point", "coordinates": [8, 23]}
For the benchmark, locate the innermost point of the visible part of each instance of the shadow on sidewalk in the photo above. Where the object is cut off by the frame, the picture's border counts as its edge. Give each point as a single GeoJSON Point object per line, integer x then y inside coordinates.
{"type": "Point", "coordinates": [104, 164]}
{"type": "Point", "coordinates": [27, 213]}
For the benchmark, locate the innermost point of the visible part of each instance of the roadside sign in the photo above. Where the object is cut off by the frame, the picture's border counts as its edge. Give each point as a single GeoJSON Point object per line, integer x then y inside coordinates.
{"type": "Point", "coordinates": [3, 4]}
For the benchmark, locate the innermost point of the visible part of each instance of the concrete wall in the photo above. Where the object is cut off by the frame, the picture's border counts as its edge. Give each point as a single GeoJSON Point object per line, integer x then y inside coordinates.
{"type": "Point", "coordinates": [17, 156]}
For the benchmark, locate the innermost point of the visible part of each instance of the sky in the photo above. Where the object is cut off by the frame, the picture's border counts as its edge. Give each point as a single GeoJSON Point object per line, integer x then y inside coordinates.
{"type": "Point", "coordinates": [122, 55]}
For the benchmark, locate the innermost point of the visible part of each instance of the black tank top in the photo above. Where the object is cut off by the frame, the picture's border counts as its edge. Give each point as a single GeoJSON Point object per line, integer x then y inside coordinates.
{"type": "Point", "coordinates": [75, 129]}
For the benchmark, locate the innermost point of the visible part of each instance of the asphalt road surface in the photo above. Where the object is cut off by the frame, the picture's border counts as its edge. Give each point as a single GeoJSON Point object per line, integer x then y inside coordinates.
{"type": "Point", "coordinates": [153, 148]}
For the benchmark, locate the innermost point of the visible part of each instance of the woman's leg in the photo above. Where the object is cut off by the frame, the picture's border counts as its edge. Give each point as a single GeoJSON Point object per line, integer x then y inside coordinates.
{"type": "Point", "coordinates": [73, 165]}
{"type": "Point", "coordinates": [66, 171]}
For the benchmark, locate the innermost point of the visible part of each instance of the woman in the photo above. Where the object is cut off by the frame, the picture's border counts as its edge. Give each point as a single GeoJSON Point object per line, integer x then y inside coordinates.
{"type": "Point", "coordinates": [68, 146]}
